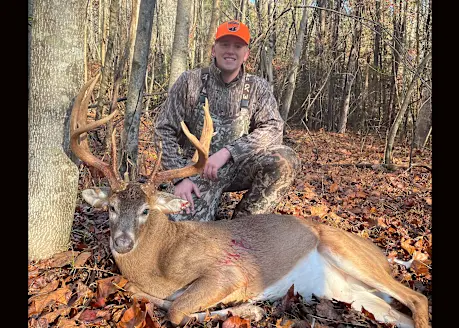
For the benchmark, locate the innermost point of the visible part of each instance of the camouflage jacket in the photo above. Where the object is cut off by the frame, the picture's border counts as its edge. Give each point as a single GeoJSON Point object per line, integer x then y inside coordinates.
{"type": "Point", "coordinates": [242, 131]}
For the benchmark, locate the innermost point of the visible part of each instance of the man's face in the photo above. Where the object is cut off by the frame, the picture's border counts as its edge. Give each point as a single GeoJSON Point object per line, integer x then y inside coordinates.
{"type": "Point", "coordinates": [230, 52]}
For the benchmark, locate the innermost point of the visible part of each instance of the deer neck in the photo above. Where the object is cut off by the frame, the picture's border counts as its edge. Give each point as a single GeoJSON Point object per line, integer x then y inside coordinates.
{"type": "Point", "coordinates": [156, 238]}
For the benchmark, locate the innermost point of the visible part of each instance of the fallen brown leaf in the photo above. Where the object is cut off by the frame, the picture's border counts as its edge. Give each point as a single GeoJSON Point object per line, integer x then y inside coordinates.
{"type": "Point", "coordinates": [406, 245]}
{"type": "Point", "coordinates": [38, 323]}
{"type": "Point", "coordinates": [334, 187]}
{"type": "Point", "coordinates": [132, 317]}
{"type": "Point", "coordinates": [368, 314]}
{"type": "Point", "coordinates": [61, 311]}
{"type": "Point", "coordinates": [62, 259]}
{"type": "Point", "coordinates": [419, 268]}
{"type": "Point", "coordinates": [82, 258]}
{"type": "Point", "coordinates": [89, 315]}
{"type": "Point", "coordinates": [289, 299]}
{"type": "Point", "coordinates": [49, 287]}
{"type": "Point", "coordinates": [64, 322]}
{"type": "Point", "coordinates": [110, 285]}
{"type": "Point", "coordinates": [325, 309]}
{"type": "Point", "coordinates": [319, 210]}
{"type": "Point", "coordinates": [81, 294]}
{"type": "Point", "coordinates": [236, 322]}
{"type": "Point", "coordinates": [284, 323]}
{"type": "Point", "coordinates": [39, 302]}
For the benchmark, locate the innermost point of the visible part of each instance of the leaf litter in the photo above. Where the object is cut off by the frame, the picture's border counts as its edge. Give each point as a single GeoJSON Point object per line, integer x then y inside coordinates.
{"type": "Point", "coordinates": [341, 183]}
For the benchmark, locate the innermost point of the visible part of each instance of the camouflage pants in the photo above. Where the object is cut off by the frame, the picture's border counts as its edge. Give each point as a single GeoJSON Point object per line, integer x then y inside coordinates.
{"type": "Point", "coordinates": [266, 176]}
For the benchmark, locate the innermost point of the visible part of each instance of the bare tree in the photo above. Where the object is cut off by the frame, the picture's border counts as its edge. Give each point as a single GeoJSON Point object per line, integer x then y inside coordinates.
{"type": "Point", "coordinates": [132, 33]}
{"type": "Point", "coordinates": [241, 13]}
{"type": "Point", "coordinates": [179, 59]}
{"type": "Point", "coordinates": [333, 49]}
{"type": "Point", "coordinates": [352, 69]}
{"type": "Point", "coordinates": [211, 32]}
{"type": "Point", "coordinates": [291, 78]}
{"type": "Point", "coordinates": [107, 65]}
{"type": "Point", "coordinates": [130, 136]}
{"type": "Point", "coordinates": [56, 75]}
{"type": "Point", "coordinates": [398, 119]}
{"type": "Point", "coordinates": [424, 120]}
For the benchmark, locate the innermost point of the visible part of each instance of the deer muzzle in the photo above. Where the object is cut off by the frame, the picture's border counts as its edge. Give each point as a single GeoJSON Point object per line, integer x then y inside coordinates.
{"type": "Point", "coordinates": [123, 244]}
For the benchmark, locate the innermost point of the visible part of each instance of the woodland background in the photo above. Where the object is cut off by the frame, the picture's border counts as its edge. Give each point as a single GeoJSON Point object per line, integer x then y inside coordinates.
{"type": "Point", "coordinates": [353, 81]}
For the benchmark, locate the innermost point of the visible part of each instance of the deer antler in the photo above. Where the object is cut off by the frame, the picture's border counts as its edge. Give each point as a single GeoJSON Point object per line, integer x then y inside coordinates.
{"type": "Point", "coordinates": [78, 127]}
{"type": "Point", "coordinates": [202, 147]}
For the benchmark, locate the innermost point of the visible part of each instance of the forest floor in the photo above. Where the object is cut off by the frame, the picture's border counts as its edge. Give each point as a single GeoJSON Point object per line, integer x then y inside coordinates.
{"type": "Point", "coordinates": [341, 184]}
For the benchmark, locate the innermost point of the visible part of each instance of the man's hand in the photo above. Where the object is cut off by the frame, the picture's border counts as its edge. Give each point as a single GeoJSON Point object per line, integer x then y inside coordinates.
{"type": "Point", "coordinates": [215, 162]}
{"type": "Point", "coordinates": [184, 190]}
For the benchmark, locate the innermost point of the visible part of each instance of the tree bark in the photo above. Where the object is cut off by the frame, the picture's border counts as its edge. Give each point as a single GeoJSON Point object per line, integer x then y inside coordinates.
{"type": "Point", "coordinates": [211, 33]}
{"type": "Point", "coordinates": [352, 69]}
{"type": "Point", "coordinates": [179, 59]}
{"type": "Point", "coordinates": [130, 136]}
{"type": "Point", "coordinates": [107, 67]}
{"type": "Point", "coordinates": [288, 94]}
{"type": "Point", "coordinates": [398, 119]}
{"type": "Point", "coordinates": [29, 36]}
{"type": "Point", "coordinates": [132, 33]}
{"type": "Point", "coordinates": [334, 54]}
{"type": "Point", "coordinates": [424, 120]}
{"type": "Point", "coordinates": [56, 75]}
{"type": "Point", "coordinates": [242, 13]}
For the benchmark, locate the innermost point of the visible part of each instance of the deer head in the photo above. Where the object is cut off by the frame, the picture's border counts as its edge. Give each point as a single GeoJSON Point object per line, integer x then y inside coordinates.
{"type": "Point", "coordinates": [130, 204]}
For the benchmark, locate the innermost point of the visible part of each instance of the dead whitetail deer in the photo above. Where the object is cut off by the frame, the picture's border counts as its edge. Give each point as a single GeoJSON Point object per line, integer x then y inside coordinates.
{"type": "Point", "coordinates": [186, 267]}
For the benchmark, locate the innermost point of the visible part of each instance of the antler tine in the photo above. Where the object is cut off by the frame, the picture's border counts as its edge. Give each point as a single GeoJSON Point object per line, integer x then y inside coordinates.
{"type": "Point", "coordinates": [201, 146]}
{"type": "Point", "coordinates": [78, 127]}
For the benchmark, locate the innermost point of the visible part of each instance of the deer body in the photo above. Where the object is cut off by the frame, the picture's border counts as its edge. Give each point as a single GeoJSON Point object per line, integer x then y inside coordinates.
{"type": "Point", "coordinates": [196, 265]}
{"type": "Point", "coordinates": [186, 267]}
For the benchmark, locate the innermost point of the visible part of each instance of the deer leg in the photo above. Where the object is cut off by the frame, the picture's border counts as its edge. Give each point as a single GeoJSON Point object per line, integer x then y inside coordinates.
{"type": "Point", "coordinates": [246, 310]}
{"type": "Point", "coordinates": [364, 262]}
{"type": "Point", "coordinates": [200, 295]}
{"type": "Point", "coordinates": [160, 303]}
{"type": "Point", "coordinates": [137, 293]}
{"type": "Point", "coordinates": [361, 296]}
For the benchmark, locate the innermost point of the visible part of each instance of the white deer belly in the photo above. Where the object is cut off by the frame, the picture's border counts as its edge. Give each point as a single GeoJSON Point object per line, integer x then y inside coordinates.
{"type": "Point", "coordinates": [311, 275]}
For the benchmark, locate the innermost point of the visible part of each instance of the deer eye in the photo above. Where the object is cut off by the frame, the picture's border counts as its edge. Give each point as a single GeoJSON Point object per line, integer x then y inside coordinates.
{"type": "Point", "coordinates": [145, 211]}
{"type": "Point", "coordinates": [111, 208]}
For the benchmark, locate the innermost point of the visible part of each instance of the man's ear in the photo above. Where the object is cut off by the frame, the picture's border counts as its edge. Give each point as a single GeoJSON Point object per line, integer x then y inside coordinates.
{"type": "Point", "coordinates": [213, 50]}
{"type": "Point", "coordinates": [96, 197]}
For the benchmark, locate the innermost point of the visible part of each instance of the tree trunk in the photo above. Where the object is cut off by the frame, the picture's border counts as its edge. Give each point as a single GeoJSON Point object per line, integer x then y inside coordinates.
{"type": "Point", "coordinates": [130, 136]}
{"type": "Point", "coordinates": [398, 119]}
{"type": "Point", "coordinates": [29, 37]}
{"type": "Point", "coordinates": [241, 17]}
{"type": "Point", "coordinates": [107, 67]}
{"type": "Point", "coordinates": [424, 120]}
{"type": "Point", "coordinates": [211, 34]}
{"type": "Point", "coordinates": [397, 46]}
{"type": "Point", "coordinates": [132, 33]}
{"type": "Point", "coordinates": [352, 69]}
{"type": "Point", "coordinates": [334, 54]}
{"type": "Point", "coordinates": [262, 12]}
{"type": "Point", "coordinates": [56, 75]}
{"type": "Point", "coordinates": [271, 45]}
{"type": "Point", "coordinates": [179, 58]}
{"type": "Point", "coordinates": [377, 65]}
{"type": "Point", "coordinates": [288, 94]}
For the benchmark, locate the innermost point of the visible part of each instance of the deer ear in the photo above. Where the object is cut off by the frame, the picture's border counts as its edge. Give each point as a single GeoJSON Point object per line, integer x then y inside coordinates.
{"type": "Point", "coordinates": [96, 197]}
{"type": "Point", "coordinates": [170, 204]}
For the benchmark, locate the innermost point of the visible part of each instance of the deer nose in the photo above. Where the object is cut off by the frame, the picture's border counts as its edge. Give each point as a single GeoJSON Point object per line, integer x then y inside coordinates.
{"type": "Point", "coordinates": [123, 244]}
